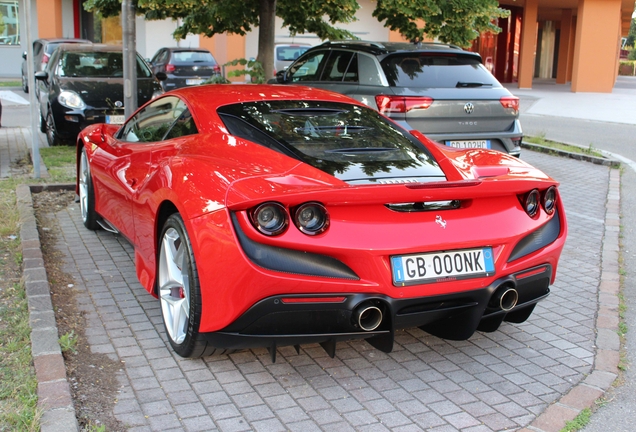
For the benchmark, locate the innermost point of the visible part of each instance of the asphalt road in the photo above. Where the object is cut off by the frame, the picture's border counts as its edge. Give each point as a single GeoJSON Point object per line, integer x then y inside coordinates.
{"type": "Point", "coordinates": [618, 411]}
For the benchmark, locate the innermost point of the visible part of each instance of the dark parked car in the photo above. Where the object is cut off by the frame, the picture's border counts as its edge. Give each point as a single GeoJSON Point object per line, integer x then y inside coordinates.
{"type": "Point", "coordinates": [184, 66]}
{"type": "Point", "coordinates": [42, 50]}
{"type": "Point", "coordinates": [84, 84]}
{"type": "Point", "coordinates": [437, 89]}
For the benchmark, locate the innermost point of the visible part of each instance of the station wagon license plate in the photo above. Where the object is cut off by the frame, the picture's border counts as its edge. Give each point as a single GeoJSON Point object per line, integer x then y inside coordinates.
{"type": "Point", "coordinates": [441, 266]}
{"type": "Point", "coordinates": [469, 144]}
{"type": "Point", "coordinates": [194, 81]}
{"type": "Point", "coordinates": [115, 119]}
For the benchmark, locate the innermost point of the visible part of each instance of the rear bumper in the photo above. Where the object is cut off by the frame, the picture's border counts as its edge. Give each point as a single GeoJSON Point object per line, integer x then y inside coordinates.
{"type": "Point", "coordinates": [294, 319]}
{"type": "Point", "coordinates": [174, 82]}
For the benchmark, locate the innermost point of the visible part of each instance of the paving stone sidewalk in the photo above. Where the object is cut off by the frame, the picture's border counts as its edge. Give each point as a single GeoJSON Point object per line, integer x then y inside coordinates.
{"type": "Point", "coordinates": [493, 382]}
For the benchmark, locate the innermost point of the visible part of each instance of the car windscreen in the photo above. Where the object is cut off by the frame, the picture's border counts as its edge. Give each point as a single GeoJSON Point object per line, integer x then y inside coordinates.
{"type": "Point", "coordinates": [96, 64]}
{"type": "Point", "coordinates": [191, 57]}
{"type": "Point", "coordinates": [443, 70]}
{"type": "Point", "coordinates": [348, 141]}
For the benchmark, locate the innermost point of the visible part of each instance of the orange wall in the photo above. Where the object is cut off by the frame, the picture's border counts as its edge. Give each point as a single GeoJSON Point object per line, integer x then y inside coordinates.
{"type": "Point", "coordinates": [225, 48]}
{"type": "Point", "coordinates": [565, 44]}
{"type": "Point", "coordinates": [598, 28]}
{"type": "Point", "coordinates": [49, 18]}
{"type": "Point", "coordinates": [528, 43]}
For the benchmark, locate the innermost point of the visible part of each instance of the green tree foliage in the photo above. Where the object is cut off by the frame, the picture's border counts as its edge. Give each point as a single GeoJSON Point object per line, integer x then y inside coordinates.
{"type": "Point", "coordinates": [631, 37]}
{"type": "Point", "coordinates": [452, 21]}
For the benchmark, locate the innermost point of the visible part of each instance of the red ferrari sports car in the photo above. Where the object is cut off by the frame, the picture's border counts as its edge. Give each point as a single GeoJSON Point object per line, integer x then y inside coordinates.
{"type": "Point", "coordinates": [265, 216]}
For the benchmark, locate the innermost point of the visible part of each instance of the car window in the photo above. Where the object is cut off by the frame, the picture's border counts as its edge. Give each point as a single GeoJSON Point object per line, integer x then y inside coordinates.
{"type": "Point", "coordinates": [370, 72]}
{"type": "Point", "coordinates": [152, 122]}
{"type": "Point", "coordinates": [341, 66]}
{"type": "Point", "coordinates": [192, 57]}
{"type": "Point", "coordinates": [289, 52]}
{"type": "Point", "coordinates": [183, 126]}
{"type": "Point", "coordinates": [307, 68]}
{"type": "Point", "coordinates": [436, 70]}
{"type": "Point", "coordinates": [330, 136]}
{"type": "Point", "coordinates": [37, 48]}
{"type": "Point", "coordinates": [96, 64]}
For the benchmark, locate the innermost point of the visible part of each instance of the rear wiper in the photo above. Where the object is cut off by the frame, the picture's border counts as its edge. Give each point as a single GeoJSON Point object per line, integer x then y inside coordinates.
{"type": "Point", "coordinates": [472, 84]}
{"type": "Point", "coordinates": [362, 150]}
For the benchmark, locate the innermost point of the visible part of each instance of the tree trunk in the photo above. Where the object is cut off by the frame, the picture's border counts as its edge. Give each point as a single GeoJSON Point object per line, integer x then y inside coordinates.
{"type": "Point", "coordinates": [266, 36]}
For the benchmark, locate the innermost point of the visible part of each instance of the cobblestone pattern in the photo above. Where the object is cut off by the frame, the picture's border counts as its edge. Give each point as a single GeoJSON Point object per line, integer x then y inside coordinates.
{"type": "Point", "coordinates": [13, 149]}
{"type": "Point", "coordinates": [492, 382]}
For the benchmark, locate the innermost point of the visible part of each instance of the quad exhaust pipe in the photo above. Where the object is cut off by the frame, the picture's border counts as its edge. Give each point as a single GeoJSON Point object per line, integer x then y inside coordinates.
{"type": "Point", "coordinates": [505, 297]}
{"type": "Point", "coordinates": [367, 316]}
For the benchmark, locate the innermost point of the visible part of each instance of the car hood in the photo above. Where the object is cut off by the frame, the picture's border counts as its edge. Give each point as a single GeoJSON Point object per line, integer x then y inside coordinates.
{"type": "Point", "coordinates": [104, 93]}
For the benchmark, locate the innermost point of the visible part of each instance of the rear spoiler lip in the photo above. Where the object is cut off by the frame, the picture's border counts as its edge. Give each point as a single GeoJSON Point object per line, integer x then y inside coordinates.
{"type": "Point", "coordinates": [247, 193]}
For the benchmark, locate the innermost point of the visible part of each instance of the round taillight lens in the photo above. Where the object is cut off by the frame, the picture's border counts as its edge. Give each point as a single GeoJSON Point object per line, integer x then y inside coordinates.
{"type": "Point", "coordinates": [549, 200]}
{"type": "Point", "coordinates": [311, 218]}
{"type": "Point", "coordinates": [531, 203]}
{"type": "Point", "coordinates": [270, 218]}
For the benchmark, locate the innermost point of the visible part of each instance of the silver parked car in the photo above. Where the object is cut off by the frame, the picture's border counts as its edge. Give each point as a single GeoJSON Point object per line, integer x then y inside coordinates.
{"type": "Point", "coordinates": [437, 89]}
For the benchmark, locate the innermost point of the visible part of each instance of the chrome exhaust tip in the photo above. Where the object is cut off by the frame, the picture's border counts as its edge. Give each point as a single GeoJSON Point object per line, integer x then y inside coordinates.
{"type": "Point", "coordinates": [505, 297]}
{"type": "Point", "coordinates": [367, 317]}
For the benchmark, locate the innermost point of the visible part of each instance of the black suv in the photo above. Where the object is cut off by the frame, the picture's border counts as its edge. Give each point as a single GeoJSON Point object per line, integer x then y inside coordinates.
{"type": "Point", "coordinates": [437, 89]}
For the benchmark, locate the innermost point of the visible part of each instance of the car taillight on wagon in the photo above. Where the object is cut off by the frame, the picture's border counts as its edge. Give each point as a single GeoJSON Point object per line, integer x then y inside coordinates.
{"type": "Point", "coordinates": [388, 104]}
{"type": "Point", "coordinates": [170, 67]}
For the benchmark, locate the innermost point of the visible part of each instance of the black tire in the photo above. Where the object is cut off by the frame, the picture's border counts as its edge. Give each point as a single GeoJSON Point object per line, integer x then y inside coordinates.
{"type": "Point", "coordinates": [86, 193]}
{"type": "Point", "coordinates": [180, 294]}
{"type": "Point", "coordinates": [25, 85]}
{"type": "Point", "coordinates": [51, 132]}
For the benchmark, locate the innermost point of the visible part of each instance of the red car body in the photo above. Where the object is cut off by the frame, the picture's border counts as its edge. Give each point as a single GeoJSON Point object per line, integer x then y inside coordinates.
{"type": "Point", "coordinates": [293, 288]}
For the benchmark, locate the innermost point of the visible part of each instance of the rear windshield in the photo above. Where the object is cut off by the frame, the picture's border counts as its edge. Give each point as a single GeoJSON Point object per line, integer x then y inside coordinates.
{"type": "Point", "coordinates": [333, 137]}
{"type": "Point", "coordinates": [289, 53]}
{"type": "Point", "coordinates": [439, 70]}
{"type": "Point", "coordinates": [192, 57]}
{"type": "Point", "coordinates": [97, 64]}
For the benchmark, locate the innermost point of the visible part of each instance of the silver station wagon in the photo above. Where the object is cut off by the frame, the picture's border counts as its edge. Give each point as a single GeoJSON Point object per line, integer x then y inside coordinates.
{"type": "Point", "coordinates": [438, 89]}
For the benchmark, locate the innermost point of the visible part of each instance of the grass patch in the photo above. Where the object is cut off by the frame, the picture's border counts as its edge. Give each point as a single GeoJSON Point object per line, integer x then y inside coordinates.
{"type": "Point", "coordinates": [579, 422]}
{"type": "Point", "coordinates": [10, 83]}
{"type": "Point", "coordinates": [590, 150]}
{"type": "Point", "coordinates": [60, 163]}
{"type": "Point", "coordinates": [18, 384]}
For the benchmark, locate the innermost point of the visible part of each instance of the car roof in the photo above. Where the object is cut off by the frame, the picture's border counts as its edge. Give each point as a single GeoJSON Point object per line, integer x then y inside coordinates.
{"type": "Point", "coordinates": [90, 47]}
{"type": "Point", "coordinates": [380, 48]}
{"type": "Point", "coordinates": [176, 49]}
{"type": "Point", "coordinates": [63, 40]}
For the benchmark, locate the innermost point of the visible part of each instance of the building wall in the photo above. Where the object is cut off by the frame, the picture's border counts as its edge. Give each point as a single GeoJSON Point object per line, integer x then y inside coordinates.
{"type": "Point", "coordinates": [11, 54]}
{"type": "Point", "coordinates": [152, 35]}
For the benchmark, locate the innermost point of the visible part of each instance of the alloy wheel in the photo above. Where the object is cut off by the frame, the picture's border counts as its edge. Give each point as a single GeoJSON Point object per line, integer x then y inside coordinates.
{"type": "Point", "coordinates": [174, 286]}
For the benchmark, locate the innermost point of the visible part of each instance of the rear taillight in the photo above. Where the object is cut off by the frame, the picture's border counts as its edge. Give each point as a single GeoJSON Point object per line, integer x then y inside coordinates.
{"type": "Point", "coordinates": [170, 67]}
{"type": "Point", "coordinates": [270, 218]}
{"type": "Point", "coordinates": [549, 200]}
{"type": "Point", "coordinates": [216, 68]}
{"type": "Point", "coordinates": [45, 59]}
{"type": "Point", "coordinates": [401, 104]}
{"type": "Point", "coordinates": [510, 102]}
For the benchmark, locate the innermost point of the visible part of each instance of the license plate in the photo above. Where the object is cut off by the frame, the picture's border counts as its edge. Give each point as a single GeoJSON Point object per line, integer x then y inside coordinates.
{"type": "Point", "coordinates": [193, 81]}
{"type": "Point", "coordinates": [442, 266]}
{"type": "Point", "coordinates": [115, 119]}
{"type": "Point", "coordinates": [469, 144]}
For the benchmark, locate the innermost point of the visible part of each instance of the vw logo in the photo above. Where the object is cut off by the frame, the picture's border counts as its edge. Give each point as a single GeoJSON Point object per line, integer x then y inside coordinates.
{"type": "Point", "coordinates": [119, 104]}
{"type": "Point", "coordinates": [469, 108]}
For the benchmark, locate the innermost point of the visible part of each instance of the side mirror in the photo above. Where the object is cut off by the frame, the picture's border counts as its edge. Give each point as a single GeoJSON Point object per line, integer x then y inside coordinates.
{"type": "Point", "coordinates": [24, 55]}
{"type": "Point", "coordinates": [280, 77]}
{"type": "Point", "coordinates": [42, 75]}
{"type": "Point", "coordinates": [161, 76]}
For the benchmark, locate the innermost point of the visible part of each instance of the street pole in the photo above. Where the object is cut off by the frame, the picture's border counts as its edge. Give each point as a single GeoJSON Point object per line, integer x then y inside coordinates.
{"type": "Point", "coordinates": [129, 34]}
{"type": "Point", "coordinates": [34, 105]}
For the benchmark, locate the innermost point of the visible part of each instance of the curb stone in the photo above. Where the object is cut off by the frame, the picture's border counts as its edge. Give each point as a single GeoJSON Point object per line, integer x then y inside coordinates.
{"type": "Point", "coordinates": [578, 156]}
{"type": "Point", "coordinates": [55, 400]}
{"type": "Point", "coordinates": [59, 413]}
